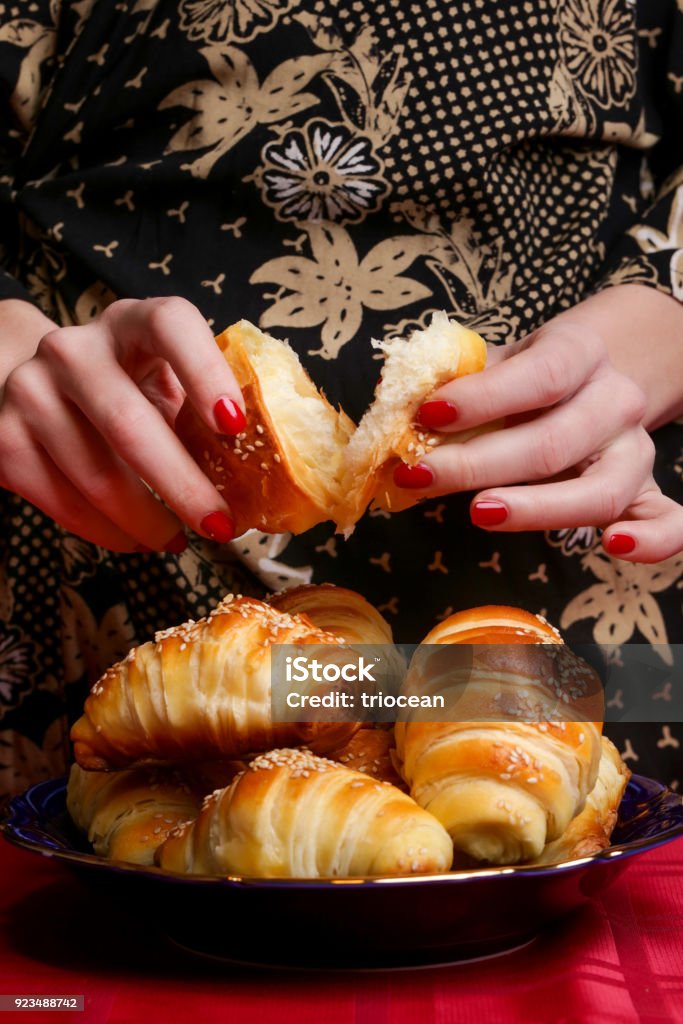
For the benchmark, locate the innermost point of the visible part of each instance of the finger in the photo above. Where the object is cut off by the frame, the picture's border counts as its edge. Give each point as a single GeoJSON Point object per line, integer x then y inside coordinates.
{"type": "Point", "coordinates": [32, 474]}
{"type": "Point", "coordinates": [534, 377]}
{"type": "Point", "coordinates": [95, 470]}
{"type": "Point", "coordinates": [651, 532]}
{"type": "Point", "coordinates": [138, 434]}
{"type": "Point", "coordinates": [175, 330]}
{"type": "Point", "coordinates": [541, 447]}
{"type": "Point", "coordinates": [598, 496]}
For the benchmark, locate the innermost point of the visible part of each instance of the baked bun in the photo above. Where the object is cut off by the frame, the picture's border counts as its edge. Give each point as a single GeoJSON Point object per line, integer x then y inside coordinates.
{"type": "Point", "coordinates": [284, 472]}
{"type": "Point", "coordinates": [336, 610]}
{"type": "Point", "coordinates": [502, 778]}
{"type": "Point", "coordinates": [294, 815]}
{"type": "Point", "coordinates": [387, 434]}
{"type": "Point", "coordinates": [200, 691]}
{"type": "Point", "coordinates": [591, 830]}
{"type": "Point", "coordinates": [127, 815]}
{"type": "Point", "coordinates": [493, 624]}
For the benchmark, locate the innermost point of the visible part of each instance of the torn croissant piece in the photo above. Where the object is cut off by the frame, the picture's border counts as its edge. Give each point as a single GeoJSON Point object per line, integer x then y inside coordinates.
{"type": "Point", "coordinates": [336, 610]}
{"type": "Point", "coordinates": [386, 435]}
{"type": "Point", "coordinates": [198, 692]}
{"type": "Point", "coordinates": [591, 830]}
{"type": "Point", "coordinates": [502, 781]}
{"type": "Point", "coordinates": [294, 815]}
{"type": "Point", "coordinates": [299, 461]}
{"type": "Point", "coordinates": [371, 751]}
{"type": "Point", "coordinates": [127, 815]}
{"type": "Point", "coordinates": [283, 473]}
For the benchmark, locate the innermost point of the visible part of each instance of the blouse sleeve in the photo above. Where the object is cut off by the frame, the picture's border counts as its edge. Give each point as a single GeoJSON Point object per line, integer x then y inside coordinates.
{"type": "Point", "coordinates": [28, 41]}
{"type": "Point", "coordinates": [651, 250]}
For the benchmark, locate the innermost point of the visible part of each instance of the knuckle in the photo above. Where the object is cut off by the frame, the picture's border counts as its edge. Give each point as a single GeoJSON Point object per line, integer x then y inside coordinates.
{"type": "Point", "coordinates": [21, 386]}
{"type": "Point", "coordinates": [463, 473]}
{"type": "Point", "coordinates": [57, 347]}
{"type": "Point", "coordinates": [101, 485]}
{"type": "Point", "coordinates": [608, 505]}
{"type": "Point", "coordinates": [647, 449]}
{"type": "Point", "coordinates": [552, 376]}
{"type": "Point", "coordinates": [164, 314]}
{"type": "Point", "coordinates": [115, 308]}
{"type": "Point", "coordinates": [123, 427]}
{"type": "Point", "coordinates": [551, 454]}
{"type": "Point", "coordinates": [633, 401]}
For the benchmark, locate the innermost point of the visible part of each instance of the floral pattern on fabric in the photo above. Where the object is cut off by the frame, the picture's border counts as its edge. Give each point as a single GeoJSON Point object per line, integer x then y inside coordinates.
{"type": "Point", "coordinates": [334, 171]}
{"type": "Point", "coordinates": [323, 172]}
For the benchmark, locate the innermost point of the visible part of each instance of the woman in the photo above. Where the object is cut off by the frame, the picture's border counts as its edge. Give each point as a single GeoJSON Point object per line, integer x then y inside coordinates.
{"type": "Point", "coordinates": [333, 172]}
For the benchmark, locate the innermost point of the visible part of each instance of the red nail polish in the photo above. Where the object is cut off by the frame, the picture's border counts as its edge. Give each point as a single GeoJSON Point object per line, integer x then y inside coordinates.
{"type": "Point", "coordinates": [488, 513]}
{"type": "Point", "coordinates": [142, 549]}
{"type": "Point", "coordinates": [621, 544]}
{"type": "Point", "coordinates": [416, 477]}
{"type": "Point", "coordinates": [177, 544]}
{"type": "Point", "coordinates": [435, 415]}
{"type": "Point", "coordinates": [218, 526]}
{"type": "Point", "coordinates": [229, 417]}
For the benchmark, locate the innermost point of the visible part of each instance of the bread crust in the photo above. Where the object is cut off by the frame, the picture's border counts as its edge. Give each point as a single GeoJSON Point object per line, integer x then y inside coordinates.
{"type": "Point", "coordinates": [294, 815]}
{"type": "Point", "coordinates": [591, 830]}
{"type": "Point", "coordinates": [199, 691]}
{"type": "Point", "coordinates": [265, 488]}
{"type": "Point", "coordinates": [502, 785]}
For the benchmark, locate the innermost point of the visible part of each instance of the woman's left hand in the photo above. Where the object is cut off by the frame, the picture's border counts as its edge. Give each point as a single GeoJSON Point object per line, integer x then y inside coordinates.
{"type": "Point", "coordinates": [573, 450]}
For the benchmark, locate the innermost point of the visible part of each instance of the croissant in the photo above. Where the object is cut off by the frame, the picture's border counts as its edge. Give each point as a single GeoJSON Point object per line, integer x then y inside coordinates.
{"type": "Point", "coordinates": [127, 815]}
{"type": "Point", "coordinates": [413, 368]}
{"type": "Point", "coordinates": [336, 610]}
{"type": "Point", "coordinates": [591, 830]}
{"type": "Point", "coordinates": [291, 814]}
{"type": "Point", "coordinates": [283, 472]}
{"type": "Point", "coordinates": [199, 691]}
{"type": "Point", "coordinates": [502, 785]}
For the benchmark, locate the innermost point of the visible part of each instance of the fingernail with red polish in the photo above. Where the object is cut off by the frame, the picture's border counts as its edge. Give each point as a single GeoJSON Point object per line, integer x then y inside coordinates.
{"type": "Point", "coordinates": [218, 526]}
{"type": "Point", "coordinates": [435, 415]}
{"type": "Point", "coordinates": [416, 477]}
{"type": "Point", "coordinates": [621, 544]}
{"type": "Point", "coordinates": [177, 544]}
{"type": "Point", "coordinates": [229, 417]}
{"type": "Point", "coordinates": [488, 513]}
{"type": "Point", "coordinates": [142, 549]}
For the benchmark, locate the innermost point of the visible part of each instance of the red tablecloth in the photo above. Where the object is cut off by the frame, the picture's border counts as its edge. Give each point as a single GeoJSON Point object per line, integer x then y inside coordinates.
{"type": "Point", "coordinates": [619, 960]}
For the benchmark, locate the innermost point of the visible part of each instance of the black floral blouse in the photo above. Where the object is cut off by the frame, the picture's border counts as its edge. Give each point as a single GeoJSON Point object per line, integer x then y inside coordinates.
{"type": "Point", "coordinates": [333, 170]}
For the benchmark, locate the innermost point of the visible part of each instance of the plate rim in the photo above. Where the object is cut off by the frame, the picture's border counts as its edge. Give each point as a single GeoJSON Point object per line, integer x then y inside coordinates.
{"type": "Point", "coordinates": [611, 854]}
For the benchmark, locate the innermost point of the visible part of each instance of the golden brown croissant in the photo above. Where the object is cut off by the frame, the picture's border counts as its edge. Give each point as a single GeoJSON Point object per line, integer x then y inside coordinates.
{"type": "Point", "coordinates": [291, 814]}
{"type": "Point", "coordinates": [127, 815]}
{"type": "Point", "coordinates": [590, 831]}
{"type": "Point", "coordinates": [503, 787]}
{"type": "Point", "coordinates": [283, 473]}
{"type": "Point", "coordinates": [413, 368]}
{"type": "Point", "coordinates": [199, 691]}
{"type": "Point", "coordinates": [336, 610]}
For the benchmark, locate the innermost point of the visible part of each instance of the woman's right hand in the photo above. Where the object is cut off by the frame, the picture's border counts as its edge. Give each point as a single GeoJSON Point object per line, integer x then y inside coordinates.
{"type": "Point", "coordinates": [86, 426]}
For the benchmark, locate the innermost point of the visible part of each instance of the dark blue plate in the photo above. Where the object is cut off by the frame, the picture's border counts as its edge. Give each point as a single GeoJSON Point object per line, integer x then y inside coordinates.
{"type": "Point", "coordinates": [351, 923]}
